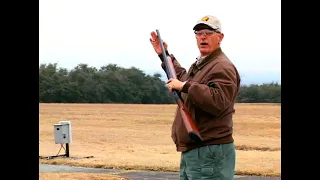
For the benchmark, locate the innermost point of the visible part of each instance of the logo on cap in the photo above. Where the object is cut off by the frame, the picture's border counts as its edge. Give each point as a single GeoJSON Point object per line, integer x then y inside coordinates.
{"type": "Point", "coordinates": [205, 18]}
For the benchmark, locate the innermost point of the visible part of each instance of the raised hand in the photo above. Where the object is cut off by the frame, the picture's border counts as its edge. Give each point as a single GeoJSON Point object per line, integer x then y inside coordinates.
{"type": "Point", "coordinates": [155, 43]}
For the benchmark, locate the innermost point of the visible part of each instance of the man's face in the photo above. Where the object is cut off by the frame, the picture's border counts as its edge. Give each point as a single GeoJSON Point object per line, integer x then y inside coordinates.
{"type": "Point", "coordinates": [208, 40]}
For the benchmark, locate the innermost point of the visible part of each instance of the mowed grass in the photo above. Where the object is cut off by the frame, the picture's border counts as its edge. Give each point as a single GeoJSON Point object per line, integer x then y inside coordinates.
{"type": "Point", "coordinates": [139, 136]}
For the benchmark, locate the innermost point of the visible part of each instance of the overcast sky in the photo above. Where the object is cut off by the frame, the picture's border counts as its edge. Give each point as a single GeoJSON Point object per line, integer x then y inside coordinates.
{"type": "Point", "coordinates": [99, 32]}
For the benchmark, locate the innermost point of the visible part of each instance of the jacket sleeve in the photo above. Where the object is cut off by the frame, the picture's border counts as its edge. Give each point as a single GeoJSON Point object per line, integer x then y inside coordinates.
{"type": "Point", "coordinates": [180, 71]}
{"type": "Point", "coordinates": [217, 94]}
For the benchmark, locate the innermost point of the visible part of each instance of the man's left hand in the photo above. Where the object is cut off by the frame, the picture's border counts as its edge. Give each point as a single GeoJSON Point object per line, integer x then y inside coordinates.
{"type": "Point", "coordinates": [175, 84]}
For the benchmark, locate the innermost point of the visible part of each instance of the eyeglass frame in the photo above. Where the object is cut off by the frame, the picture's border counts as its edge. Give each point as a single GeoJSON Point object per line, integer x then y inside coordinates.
{"type": "Point", "coordinates": [206, 32]}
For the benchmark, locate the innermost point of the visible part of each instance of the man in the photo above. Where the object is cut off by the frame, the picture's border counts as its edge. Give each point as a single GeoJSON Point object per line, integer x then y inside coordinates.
{"type": "Point", "coordinates": [209, 90]}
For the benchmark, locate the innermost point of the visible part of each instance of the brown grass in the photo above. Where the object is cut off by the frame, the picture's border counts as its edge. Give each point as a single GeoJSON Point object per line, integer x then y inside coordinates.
{"type": "Point", "coordinates": [138, 136]}
{"type": "Point", "coordinates": [78, 176]}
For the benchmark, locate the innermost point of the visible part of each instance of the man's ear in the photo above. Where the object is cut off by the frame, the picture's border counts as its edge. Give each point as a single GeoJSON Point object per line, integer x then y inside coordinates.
{"type": "Point", "coordinates": [220, 37]}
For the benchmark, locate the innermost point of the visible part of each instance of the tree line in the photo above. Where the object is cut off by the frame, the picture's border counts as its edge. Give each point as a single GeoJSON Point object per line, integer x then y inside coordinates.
{"type": "Point", "coordinates": [114, 84]}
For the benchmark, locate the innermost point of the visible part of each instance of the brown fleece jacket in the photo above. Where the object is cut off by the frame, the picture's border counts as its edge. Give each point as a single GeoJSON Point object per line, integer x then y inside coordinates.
{"type": "Point", "coordinates": [210, 94]}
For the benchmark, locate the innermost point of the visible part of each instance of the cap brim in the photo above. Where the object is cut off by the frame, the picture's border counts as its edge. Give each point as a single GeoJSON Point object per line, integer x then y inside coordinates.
{"type": "Point", "coordinates": [204, 25]}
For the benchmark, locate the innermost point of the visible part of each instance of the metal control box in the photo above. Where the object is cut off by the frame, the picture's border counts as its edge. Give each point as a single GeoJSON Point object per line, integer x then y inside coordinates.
{"type": "Point", "coordinates": [62, 132]}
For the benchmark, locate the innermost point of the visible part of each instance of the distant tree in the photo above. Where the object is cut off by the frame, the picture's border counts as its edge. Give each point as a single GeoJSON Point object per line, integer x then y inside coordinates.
{"type": "Point", "coordinates": [114, 84]}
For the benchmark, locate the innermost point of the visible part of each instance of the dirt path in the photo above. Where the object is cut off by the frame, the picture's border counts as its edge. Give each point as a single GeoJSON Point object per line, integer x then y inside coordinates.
{"type": "Point", "coordinates": [133, 174]}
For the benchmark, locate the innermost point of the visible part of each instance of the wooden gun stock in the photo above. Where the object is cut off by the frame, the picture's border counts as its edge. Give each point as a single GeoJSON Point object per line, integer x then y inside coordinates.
{"type": "Point", "coordinates": [186, 116]}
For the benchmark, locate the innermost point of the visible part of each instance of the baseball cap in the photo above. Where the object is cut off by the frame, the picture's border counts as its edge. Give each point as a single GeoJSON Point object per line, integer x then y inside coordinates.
{"type": "Point", "coordinates": [210, 21]}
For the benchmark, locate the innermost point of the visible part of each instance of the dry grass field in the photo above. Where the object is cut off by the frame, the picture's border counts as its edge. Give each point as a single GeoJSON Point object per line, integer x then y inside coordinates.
{"type": "Point", "coordinates": [78, 176]}
{"type": "Point", "coordinates": [138, 137]}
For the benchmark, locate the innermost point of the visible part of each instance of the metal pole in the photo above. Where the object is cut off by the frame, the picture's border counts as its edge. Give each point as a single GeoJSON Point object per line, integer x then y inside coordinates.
{"type": "Point", "coordinates": [67, 149]}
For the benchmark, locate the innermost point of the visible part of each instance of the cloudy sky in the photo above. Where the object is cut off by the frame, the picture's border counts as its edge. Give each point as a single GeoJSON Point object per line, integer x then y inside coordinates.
{"type": "Point", "coordinates": [99, 32]}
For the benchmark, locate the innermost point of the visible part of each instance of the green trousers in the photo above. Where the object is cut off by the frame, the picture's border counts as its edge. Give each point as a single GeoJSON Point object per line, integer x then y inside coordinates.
{"type": "Point", "coordinates": [215, 162]}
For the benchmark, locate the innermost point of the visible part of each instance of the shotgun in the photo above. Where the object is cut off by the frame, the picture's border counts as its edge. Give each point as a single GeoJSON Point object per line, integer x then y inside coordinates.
{"type": "Point", "coordinates": [186, 116]}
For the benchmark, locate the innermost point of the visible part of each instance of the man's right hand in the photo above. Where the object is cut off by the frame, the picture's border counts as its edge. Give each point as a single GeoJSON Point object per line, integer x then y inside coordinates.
{"type": "Point", "coordinates": [155, 43]}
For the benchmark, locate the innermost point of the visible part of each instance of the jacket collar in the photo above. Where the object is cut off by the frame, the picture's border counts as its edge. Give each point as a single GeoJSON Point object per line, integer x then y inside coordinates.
{"type": "Point", "coordinates": [209, 58]}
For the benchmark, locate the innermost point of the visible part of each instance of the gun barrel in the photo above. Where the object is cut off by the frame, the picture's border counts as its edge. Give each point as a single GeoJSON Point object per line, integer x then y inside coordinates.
{"type": "Point", "coordinates": [187, 119]}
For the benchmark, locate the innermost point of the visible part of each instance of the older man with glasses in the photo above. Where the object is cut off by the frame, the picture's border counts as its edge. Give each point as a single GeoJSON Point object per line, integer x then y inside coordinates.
{"type": "Point", "coordinates": [209, 89]}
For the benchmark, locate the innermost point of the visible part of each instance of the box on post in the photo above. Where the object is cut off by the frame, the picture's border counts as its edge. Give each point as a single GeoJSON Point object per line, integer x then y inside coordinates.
{"type": "Point", "coordinates": [62, 132]}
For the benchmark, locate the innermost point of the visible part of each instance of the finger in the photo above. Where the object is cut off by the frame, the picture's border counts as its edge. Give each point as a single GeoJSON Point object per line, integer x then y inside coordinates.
{"type": "Point", "coordinates": [154, 35]}
{"type": "Point", "coordinates": [164, 45]}
{"type": "Point", "coordinates": [153, 40]}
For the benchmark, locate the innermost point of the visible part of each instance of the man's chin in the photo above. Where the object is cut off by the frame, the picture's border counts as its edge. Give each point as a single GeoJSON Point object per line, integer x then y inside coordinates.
{"type": "Point", "coordinates": [204, 51]}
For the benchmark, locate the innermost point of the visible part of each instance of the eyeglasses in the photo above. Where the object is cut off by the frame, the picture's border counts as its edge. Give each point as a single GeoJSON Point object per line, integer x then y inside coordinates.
{"type": "Point", "coordinates": [206, 32]}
